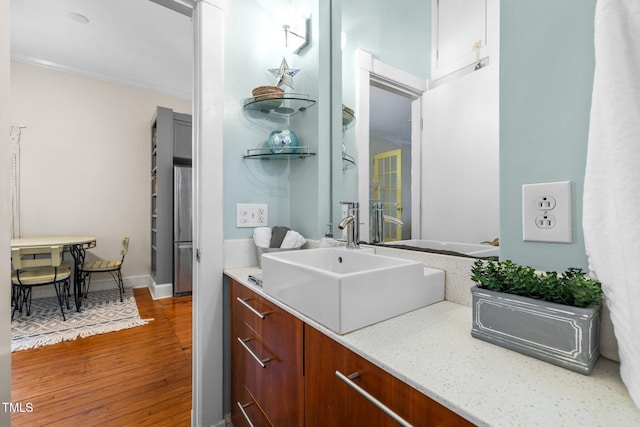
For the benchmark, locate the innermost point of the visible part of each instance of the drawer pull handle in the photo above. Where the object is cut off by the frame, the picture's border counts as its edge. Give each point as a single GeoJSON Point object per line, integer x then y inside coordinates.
{"type": "Point", "coordinates": [261, 362]}
{"type": "Point", "coordinates": [348, 380]}
{"type": "Point", "coordinates": [253, 310]}
{"type": "Point", "coordinates": [244, 413]}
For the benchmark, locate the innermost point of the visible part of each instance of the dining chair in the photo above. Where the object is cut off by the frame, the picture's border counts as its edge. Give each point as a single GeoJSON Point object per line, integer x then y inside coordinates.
{"type": "Point", "coordinates": [113, 267]}
{"type": "Point", "coordinates": [38, 266]}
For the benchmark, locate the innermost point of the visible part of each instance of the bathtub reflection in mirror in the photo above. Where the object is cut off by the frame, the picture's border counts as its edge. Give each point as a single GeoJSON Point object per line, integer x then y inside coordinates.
{"type": "Point", "coordinates": [483, 250]}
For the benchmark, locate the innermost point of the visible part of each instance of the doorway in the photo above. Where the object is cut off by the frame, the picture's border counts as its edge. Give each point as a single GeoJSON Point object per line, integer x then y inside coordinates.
{"type": "Point", "coordinates": [389, 118]}
{"type": "Point", "coordinates": [390, 132]}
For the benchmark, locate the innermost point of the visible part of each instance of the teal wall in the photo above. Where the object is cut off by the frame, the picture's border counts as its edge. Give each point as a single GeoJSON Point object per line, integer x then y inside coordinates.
{"type": "Point", "coordinates": [546, 68]}
{"type": "Point", "coordinates": [398, 36]}
{"type": "Point", "coordinates": [546, 77]}
{"type": "Point", "coordinates": [293, 191]}
{"type": "Point", "coordinates": [299, 193]}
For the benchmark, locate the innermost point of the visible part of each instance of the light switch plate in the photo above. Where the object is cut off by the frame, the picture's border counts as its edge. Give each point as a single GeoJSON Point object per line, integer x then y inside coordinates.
{"type": "Point", "coordinates": [547, 212]}
{"type": "Point", "coordinates": [252, 215]}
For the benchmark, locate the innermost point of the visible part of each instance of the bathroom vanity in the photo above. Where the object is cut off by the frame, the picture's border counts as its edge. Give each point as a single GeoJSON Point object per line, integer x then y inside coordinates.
{"type": "Point", "coordinates": [286, 372]}
{"type": "Point", "coordinates": [344, 389]}
{"type": "Point", "coordinates": [266, 362]}
{"type": "Point", "coordinates": [423, 365]}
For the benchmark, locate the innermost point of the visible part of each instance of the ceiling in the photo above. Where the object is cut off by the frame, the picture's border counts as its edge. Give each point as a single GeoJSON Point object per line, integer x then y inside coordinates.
{"type": "Point", "coordinates": [137, 43]}
{"type": "Point", "coordinates": [131, 42]}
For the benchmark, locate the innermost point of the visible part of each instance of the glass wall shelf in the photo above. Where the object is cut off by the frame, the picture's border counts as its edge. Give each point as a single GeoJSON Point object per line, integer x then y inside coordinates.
{"type": "Point", "coordinates": [287, 105]}
{"type": "Point", "coordinates": [266, 153]}
{"type": "Point", "coordinates": [348, 162]}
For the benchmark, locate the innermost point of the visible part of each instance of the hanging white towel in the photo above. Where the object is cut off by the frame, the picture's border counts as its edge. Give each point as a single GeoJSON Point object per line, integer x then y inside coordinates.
{"type": "Point", "coordinates": [611, 205]}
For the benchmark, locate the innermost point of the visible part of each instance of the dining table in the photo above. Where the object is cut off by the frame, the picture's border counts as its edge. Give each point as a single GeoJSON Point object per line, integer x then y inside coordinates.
{"type": "Point", "coordinates": [75, 245]}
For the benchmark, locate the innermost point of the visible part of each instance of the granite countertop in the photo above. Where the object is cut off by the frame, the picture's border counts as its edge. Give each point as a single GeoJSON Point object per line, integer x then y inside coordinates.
{"type": "Point", "coordinates": [432, 350]}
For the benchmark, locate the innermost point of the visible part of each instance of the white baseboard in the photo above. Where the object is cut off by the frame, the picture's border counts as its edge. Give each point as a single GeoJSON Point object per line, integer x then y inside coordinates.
{"type": "Point", "coordinates": [162, 290]}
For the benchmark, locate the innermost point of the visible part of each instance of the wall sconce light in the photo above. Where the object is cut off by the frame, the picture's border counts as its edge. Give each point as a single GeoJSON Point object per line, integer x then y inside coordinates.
{"type": "Point", "coordinates": [297, 35]}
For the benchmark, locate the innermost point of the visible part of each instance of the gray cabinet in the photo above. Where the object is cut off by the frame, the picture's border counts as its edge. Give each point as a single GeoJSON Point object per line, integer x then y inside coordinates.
{"type": "Point", "coordinates": [170, 143]}
{"type": "Point", "coordinates": [181, 137]}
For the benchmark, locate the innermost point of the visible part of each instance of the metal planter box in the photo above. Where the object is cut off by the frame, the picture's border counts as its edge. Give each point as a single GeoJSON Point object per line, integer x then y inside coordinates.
{"type": "Point", "coordinates": [563, 335]}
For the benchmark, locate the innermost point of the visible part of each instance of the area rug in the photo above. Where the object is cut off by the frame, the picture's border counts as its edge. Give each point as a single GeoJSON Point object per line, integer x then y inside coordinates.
{"type": "Point", "coordinates": [101, 312]}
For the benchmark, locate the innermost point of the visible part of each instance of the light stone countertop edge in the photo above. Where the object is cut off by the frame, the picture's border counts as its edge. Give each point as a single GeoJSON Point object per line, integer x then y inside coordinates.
{"type": "Point", "coordinates": [432, 350]}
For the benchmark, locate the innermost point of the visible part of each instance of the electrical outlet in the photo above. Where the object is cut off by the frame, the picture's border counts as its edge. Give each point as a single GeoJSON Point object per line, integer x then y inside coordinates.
{"type": "Point", "coordinates": [546, 221]}
{"type": "Point", "coordinates": [546, 212]}
{"type": "Point", "coordinates": [251, 215]}
{"type": "Point", "coordinates": [545, 203]}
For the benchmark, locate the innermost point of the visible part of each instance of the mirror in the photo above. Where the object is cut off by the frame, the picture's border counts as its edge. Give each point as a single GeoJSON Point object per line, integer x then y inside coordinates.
{"type": "Point", "coordinates": [425, 137]}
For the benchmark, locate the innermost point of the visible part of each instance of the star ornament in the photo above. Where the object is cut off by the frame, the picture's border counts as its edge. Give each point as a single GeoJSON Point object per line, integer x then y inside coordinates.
{"type": "Point", "coordinates": [284, 74]}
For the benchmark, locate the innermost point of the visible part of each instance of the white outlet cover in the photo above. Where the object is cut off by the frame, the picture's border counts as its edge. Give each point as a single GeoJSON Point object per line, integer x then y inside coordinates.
{"type": "Point", "coordinates": [252, 215]}
{"type": "Point", "coordinates": [559, 193]}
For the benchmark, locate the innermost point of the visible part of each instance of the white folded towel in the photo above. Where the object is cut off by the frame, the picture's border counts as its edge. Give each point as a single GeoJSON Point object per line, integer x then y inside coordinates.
{"type": "Point", "coordinates": [262, 236]}
{"type": "Point", "coordinates": [293, 239]}
{"type": "Point", "coordinates": [327, 242]}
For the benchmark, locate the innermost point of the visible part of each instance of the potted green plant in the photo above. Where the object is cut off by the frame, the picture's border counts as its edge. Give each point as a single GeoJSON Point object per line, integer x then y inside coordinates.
{"type": "Point", "coordinates": [549, 316]}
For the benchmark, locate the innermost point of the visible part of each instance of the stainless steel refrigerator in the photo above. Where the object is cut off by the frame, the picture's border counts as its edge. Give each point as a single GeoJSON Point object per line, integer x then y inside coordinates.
{"type": "Point", "coordinates": [182, 230]}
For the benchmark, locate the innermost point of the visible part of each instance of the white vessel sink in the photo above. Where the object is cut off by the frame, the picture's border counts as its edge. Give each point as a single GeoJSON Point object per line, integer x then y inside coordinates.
{"type": "Point", "coordinates": [347, 289]}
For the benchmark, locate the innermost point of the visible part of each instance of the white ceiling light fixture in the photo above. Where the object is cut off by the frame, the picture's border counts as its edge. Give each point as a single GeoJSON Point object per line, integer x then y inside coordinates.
{"type": "Point", "coordinates": [79, 18]}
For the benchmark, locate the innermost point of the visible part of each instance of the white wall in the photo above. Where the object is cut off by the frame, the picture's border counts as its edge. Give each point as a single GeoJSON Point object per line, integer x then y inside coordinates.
{"type": "Point", "coordinates": [460, 159]}
{"type": "Point", "coordinates": [85, 159]}
{"type": "Point", "coordinates": [208, 299]}
{"type": "Point", "coordinates": [5, 254]}
{"type": "Point", "coordinates": [460, 152]}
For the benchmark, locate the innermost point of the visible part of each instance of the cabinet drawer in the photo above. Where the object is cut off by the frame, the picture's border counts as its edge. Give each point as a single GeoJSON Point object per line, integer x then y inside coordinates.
{"type": "Point", "coordinates": [277, 328]}
{"type": "Point", "coordinates": [275, 384]}
{"type": "Point", "coordinates": [330, 400]}
{"type": "Point", "coordinates": [272, 373]}
{"type": "Point", "coordinates": [244, 409]}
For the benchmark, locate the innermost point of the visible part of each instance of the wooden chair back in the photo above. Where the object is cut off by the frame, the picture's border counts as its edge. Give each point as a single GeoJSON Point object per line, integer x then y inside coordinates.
{"type": "Point", "coordinates": [36, 257]}
{"type": "Point", "coordinates": [125, 247]}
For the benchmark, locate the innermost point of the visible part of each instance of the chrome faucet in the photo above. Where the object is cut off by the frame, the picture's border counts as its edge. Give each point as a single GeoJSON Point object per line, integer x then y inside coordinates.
{"type": "Point", "coordinates": [352, 223]}
{"type": "Point", "coordinates": [379, 219]}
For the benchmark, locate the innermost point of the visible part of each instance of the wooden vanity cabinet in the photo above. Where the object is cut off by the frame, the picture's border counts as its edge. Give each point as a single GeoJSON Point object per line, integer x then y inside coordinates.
{"type": "Point", "coordinates": [266, 362]}
{"type": "Point", "coordinates": [284, 374]}
{"type": "Point", "coordinates": [245, 411]}
{"type": "Point", "coordinates": [331, 402]}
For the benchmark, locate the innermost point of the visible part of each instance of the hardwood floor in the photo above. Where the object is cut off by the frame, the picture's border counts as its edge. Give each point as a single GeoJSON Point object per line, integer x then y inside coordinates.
{"type": "Point", "coordinates": [139, 376]}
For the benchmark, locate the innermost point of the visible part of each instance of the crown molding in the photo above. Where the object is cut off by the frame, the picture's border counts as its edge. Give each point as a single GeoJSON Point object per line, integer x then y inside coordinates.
{"type": "Point", "coordinates": [187, 95]}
